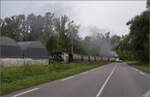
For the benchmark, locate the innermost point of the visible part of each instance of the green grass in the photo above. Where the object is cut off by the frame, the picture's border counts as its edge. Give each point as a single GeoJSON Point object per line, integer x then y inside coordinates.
{"type": "Point", "coordinates": [141, 66]}
{"type": "Point", "coordinates": [19, 77]}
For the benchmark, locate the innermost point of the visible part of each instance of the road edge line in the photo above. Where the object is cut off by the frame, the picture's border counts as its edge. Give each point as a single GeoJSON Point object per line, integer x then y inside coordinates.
{"type": "Point", "coordinates": [25, 92]}
{"type": "Point", "coordinates": [67, 78]}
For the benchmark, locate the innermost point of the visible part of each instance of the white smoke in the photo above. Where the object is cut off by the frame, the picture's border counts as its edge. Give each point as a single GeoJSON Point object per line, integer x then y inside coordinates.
{"type": "Point", "coordinates": [101, 41]}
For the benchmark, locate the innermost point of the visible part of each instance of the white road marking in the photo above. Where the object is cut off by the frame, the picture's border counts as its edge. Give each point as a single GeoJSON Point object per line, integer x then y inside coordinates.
{"type": "Point", "coordinates": [98, 68]}
{"type": "Point", "coordinates": [93, 70]}
{"type": "Point", "coordinates": [103, 86]}
{"type": "Point", "coordinates": [67, 78]}
{"type": "Point", "coordinates": [25, 92]}
{"type": "Point", "coordinates": [142, 73]}
{"type": "Point", "coordinates": [134, 69]}
{"type": "Point", "coordinates": [85, 72]}
{"type": "Point", "coordinates": [147, 94]}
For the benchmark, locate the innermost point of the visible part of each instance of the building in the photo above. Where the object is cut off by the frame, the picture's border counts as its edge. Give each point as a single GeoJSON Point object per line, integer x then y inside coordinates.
{"type": "Point", "coordinates": [9, 48]}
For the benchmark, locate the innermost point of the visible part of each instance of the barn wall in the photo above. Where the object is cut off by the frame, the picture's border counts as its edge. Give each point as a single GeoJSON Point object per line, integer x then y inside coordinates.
{"type": "Point", "coordinates": [36, 53]}
{"type": "Point", "coordinates": [10, 51]}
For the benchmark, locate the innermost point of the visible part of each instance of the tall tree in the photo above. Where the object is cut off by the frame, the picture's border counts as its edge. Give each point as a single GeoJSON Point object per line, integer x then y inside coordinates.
{"type": "Point", "coordinates": [139, 35]}
{"type": "Point", "coordinates": [47, 29]}
{"type": "Point", "coordinates": [148, 3]}
{"type": "Point", "coordinates": [12, 27]}
{"type": "Point", "coordinates": [1, 23]}
{"type": "Point", "coordinates": [52, 44]}
{"type": "Point", "coordinates": [60, 27]}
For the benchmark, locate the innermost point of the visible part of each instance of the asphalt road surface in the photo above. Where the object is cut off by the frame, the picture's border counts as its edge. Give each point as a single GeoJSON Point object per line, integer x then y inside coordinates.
{"type": "Point", "coordinates": [112, 80]}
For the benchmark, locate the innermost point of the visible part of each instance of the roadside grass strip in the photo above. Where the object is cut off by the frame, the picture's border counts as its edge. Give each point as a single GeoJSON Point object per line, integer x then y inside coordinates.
{"type": "Point", "coordinates": [140, 72]}
{"type": "Point", "coordinates": [15, 78]}
{"type": "Point", "coordinates": [140, 66]}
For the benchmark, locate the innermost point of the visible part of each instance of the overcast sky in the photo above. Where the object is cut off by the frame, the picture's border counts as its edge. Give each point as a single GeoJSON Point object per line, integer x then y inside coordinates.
{"type": "Point", "coordinates": [102, 15]}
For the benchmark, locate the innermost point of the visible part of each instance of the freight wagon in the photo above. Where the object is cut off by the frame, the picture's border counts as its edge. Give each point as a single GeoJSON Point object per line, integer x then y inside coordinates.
{"type": "Point", "coordinates": [73, 57]}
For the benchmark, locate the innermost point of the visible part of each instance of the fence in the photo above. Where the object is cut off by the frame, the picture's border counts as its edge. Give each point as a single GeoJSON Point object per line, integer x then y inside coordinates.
{"type": "Point", "coordinates": [19, 61]}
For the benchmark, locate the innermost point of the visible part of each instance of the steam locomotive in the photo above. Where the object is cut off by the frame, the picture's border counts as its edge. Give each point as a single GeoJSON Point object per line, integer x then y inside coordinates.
{"type": "Point", "coordinates": [73, 57]}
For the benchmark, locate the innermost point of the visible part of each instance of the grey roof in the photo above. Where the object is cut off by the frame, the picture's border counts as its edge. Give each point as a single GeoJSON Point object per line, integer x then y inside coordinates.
{"type": "Point", "coordinates": [33, 44]}
{"type": "Point", "coordinates": [7, 41]}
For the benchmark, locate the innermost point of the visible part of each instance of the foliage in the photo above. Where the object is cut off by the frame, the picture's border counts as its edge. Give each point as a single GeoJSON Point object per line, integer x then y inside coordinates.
{"type": "Point", "coordinates": [115, 40]}
{"type": "Point", "coordinates": [137, 41]}
{"type": "Point", "coordinates": [142, 66]}
{"type": "Point", "coordinates": [148, 3]}
{"type": "Point", "coordinates": [52, 44]}
{"type": "Point", "coordinates": [125, 55]}
{"type": "Point", "coordinates": [57, 34]}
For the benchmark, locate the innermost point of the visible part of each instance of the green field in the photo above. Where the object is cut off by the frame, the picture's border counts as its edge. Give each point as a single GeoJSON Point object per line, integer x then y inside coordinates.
{"type": "Point", "coordinates": [141, 66]}
{"type": "Point", "coordinates": [19, 77]}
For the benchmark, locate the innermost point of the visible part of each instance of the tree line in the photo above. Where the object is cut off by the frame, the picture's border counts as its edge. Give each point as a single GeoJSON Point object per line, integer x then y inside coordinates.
{"type": "Point", "coordinates": [56, 33]}
{"type": "Point", "coordinates": [135, 45]}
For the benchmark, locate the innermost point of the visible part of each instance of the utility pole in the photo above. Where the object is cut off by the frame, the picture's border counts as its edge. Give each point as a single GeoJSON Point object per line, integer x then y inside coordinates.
{"type": "Point", "coordinates": [72, 30]}
{"type": "Point", "coordinates": [72, 43]}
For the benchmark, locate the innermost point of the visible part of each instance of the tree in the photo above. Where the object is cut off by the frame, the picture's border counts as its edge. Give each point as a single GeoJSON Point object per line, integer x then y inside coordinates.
{"type": "Point", "coordinates": [115, 40]}
{"type": "Point", "coordinates": [34, 24]}
{"type": "Point", "coordinates": [1, 23]}
{"type": "Point", "coordinates": [56, 33]}
{"type": "Point", "coordinates": [52, 44]}
{"type": "Point", "coordinates": [148, 3]}
{"type": "Point", "coordinates": [138, 38]}
{"type": "Point", "coordinates": [12, 27]}
{"type": "Point", "coordinates": [60, 27]}
{"type": "Point", "coordinates": [47, 27]}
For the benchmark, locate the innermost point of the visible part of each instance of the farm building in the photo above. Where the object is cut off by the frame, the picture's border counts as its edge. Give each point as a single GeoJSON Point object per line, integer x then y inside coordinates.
{"type": "Point", "coordinates": [9, 48]}
{"type": "Point", "coordinates": [33, 49]}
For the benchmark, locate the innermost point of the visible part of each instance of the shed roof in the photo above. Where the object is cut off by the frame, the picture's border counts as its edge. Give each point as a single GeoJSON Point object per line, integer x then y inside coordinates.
{"type": "Point", "coordinates": [6, 41]}
{"type": "Point", "coordinates": [33, 44]}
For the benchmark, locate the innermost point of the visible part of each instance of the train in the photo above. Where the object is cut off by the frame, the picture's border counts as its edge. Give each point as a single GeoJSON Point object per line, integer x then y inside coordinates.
{"type": "Point", "coordinates": [74, 57]}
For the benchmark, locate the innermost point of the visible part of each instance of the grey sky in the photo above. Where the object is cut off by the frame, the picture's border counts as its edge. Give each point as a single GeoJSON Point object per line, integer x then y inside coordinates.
{"type": "Point", "coordinates": [102, 15]}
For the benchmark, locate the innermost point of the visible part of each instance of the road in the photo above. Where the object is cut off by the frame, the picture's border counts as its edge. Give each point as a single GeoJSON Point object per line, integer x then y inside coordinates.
{"type": "Point", "coordinates": [112, 80]}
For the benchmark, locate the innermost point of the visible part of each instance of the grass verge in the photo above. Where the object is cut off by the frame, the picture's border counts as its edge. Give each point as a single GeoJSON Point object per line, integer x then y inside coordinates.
{"type": "Point", "coordinates": [19, 77]}
{"type": "Point", "coordinates": [141, 66]}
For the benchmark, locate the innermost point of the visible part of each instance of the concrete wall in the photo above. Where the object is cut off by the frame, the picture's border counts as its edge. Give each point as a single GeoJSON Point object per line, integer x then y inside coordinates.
{"type": "Point", "coordinates": [21, 61]}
